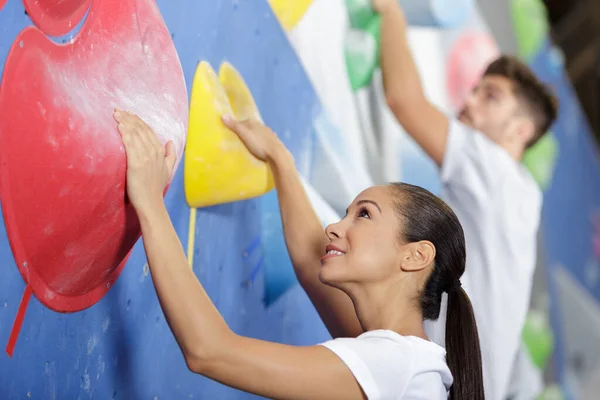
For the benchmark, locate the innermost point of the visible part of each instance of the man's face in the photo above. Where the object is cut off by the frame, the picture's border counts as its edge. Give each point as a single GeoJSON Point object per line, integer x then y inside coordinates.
{"type": "Point", "coordinates": [492, 108]}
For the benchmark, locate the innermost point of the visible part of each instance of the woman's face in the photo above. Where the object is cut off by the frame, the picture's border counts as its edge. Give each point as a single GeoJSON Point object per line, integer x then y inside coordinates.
{"type": "Point", "coordinates": [364, 246]}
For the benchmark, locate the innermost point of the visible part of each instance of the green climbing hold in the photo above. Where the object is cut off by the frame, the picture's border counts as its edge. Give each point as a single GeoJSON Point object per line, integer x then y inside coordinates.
{"type": "Point", "coordinates": [361, 52]}
{"type": "Point", "coordinates": [360, 13]}
{"type": "Point", "coordinates": [552, 392]}
{"type": "Point", "coordinates": [530, 21]}
{"type": "Point", "coordinates": [538, 339]}
{"type": "Point", "coordinates": [541, 159]}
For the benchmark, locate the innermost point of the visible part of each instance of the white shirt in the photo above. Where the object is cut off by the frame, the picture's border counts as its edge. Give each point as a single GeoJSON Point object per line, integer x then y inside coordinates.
{"type": "Point", "coordinates": [390, 366]}
{"type": "Point", "coordinates": [498, 204]}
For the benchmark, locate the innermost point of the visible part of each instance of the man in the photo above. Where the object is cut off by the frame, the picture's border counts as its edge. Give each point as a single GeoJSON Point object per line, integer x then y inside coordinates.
{"type": "Point", "coordinates": [495, 198]}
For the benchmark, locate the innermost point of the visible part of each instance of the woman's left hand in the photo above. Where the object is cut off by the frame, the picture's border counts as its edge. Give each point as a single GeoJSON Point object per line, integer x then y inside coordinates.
{"type": "Point", "coordinates": [149, 164]}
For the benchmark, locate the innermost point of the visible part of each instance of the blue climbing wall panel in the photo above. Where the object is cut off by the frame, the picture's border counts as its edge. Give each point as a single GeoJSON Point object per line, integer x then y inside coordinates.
{"type": "Point", "coordinates": [570, 227]}
{"type": "Point", "coordinates": [122, 347]}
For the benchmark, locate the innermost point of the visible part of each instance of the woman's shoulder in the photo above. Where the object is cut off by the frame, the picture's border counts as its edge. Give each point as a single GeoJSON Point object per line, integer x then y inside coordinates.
{"type": "Point", "coordinates": [415, 343]}
{"type": "Point", "coordinates": [390, 361]}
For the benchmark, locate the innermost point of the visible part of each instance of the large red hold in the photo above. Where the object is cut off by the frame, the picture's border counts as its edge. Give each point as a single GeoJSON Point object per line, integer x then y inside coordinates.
{"type": "Point", "coordinates": [63, 165]}
{"type": "Point", "coordinates": [56, 17]}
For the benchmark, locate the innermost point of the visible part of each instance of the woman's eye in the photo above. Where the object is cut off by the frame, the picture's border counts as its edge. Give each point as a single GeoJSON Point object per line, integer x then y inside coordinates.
{"type": "Point", "coordinates": [364, 213]}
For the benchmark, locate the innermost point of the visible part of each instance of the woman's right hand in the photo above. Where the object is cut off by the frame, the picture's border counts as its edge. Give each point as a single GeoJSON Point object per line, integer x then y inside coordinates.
{"type": "Point", "coordinates": [261, 141]}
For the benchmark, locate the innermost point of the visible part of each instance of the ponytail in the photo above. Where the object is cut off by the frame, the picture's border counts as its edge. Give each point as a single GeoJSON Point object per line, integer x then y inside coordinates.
{"type": "Point", "coordinates": [425, 216]}
{"type": "Point", "coordinates": [462, 348]}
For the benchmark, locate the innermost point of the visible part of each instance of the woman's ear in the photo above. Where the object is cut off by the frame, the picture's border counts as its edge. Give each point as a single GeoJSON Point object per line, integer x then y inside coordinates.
{"type": "Point", "coordinates": [418, 256]}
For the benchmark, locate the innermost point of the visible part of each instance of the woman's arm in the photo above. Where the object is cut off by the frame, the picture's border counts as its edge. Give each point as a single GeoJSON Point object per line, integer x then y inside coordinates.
{"type": "Point", "coordinates": [303, 231]}
{"type": "Point", "coordinates": [209, 346]}
{"type": "Point", "coordinates": [212, 349]}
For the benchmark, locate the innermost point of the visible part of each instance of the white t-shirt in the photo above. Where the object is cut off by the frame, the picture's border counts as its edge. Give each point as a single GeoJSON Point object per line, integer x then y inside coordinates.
{"type": "Point", "coordinates": [498, 204]}
{"type": "Point", "coordinates": [391, 366]}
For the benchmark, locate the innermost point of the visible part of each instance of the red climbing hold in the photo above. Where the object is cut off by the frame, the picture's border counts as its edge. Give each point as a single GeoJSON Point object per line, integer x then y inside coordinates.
{"type": "Point", "coordinates": [63, 164]}
{"type": "Point", "coordinates": [467, 60]}
{"type": "Point", "coordinates": [56, 17]}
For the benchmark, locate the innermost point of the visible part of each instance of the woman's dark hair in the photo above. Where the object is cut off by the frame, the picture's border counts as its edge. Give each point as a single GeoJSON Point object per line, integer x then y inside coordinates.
{"type": "Point", "coordinates": [424, 216]}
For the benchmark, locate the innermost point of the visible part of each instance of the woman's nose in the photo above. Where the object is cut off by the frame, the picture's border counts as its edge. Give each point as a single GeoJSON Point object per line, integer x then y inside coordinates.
{"type": "Point", "coordinates": [333, 231]}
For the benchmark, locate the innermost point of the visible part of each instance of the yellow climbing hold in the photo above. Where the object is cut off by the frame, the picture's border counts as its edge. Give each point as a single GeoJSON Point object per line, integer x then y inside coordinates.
{"type": "Point", "coordinates": [218, 168]}
{"type": "Point", "coordinates": [239, 96]}
{"type": "Point", "coordinates": [289, 12]}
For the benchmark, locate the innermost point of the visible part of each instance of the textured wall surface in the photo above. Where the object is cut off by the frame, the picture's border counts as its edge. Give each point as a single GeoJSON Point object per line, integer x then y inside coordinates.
{"type": "Point", "coordinates": [121, 346]}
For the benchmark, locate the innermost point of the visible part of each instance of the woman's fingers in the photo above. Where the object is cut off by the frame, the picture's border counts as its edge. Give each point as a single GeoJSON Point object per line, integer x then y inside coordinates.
{"type": "Point", "coordinates": [149, 135]}
{"type": "Point", "coordinates": [170, 157]}
{"type": "Point", "coordinates": [143, 134]}
{"type": "Point", "coordinates": [142, 131]}
{"type": "Point", "coordinates": [242, 128]}
{"type": "Point", "coordinates": [131, 144]}
{"type": "Point", "coordinates": [231, 123]}
{"type": "Point", "coordinates": [134, 145]}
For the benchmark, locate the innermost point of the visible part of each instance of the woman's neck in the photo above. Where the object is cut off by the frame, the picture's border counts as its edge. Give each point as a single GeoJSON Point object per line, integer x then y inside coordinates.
{"type": "Point", "coordinates": [381, 311]}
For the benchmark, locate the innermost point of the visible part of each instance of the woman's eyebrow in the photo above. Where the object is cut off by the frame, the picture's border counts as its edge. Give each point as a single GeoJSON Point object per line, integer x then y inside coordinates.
{"type": "Point", "coordinates": [371, 202]}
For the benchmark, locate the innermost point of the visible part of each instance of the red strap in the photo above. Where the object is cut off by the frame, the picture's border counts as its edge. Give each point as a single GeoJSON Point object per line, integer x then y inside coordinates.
{"type": "Point", "coordinates": [14, 334]}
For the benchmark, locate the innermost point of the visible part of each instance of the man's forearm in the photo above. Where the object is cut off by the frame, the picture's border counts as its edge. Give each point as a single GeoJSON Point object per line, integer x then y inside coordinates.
{"type": "Point", "coordinates": [304, 233]}
{"type": "Point", "coordinates": [401, 78]}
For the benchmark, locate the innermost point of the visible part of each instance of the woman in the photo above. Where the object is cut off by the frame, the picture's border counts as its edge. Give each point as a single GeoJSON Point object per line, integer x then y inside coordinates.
{"type": "Point", "coordinates": [374, 277]}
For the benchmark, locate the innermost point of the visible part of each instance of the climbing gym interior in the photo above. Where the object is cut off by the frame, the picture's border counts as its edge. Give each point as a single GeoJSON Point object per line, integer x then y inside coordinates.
{"type": "Point", "coordinates": [79, 315]}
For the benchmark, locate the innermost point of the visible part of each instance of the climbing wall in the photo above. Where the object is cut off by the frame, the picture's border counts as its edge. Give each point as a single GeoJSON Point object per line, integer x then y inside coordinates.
{"type": "Point", "coordinates": [570, 229]}
{"type": "Point", "coordinates": [93, 327]}
{"type": "Point", "coordinates": [79, 317]}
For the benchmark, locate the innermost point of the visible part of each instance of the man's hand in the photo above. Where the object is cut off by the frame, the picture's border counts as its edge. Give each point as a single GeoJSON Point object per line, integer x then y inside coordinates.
{"type": "Point", "coordinates": [261, 141]}
{"type": "Point", "coordinates": [149, 164]}
{"type": "Point", "coordinates": [382, 6]}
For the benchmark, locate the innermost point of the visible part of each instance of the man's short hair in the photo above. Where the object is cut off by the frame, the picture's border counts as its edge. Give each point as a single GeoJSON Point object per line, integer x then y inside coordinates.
{"type": "Point", "coordinates": [535, 96]}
